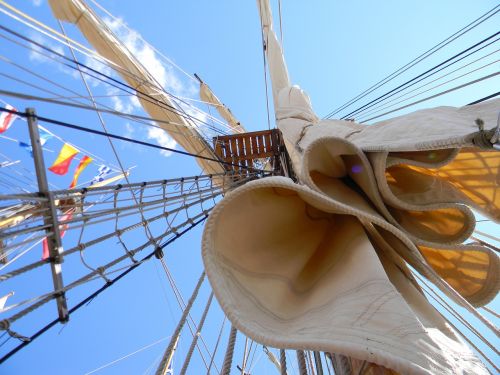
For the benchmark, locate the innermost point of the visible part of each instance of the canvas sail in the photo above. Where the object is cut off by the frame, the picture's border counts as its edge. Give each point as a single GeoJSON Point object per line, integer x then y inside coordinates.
{"type": "Point", "coordinates": [323, 264]}
{"type": "Point", "coordinates": [208, 96]}
{"type": "Point", "coordinates": [153, 98]}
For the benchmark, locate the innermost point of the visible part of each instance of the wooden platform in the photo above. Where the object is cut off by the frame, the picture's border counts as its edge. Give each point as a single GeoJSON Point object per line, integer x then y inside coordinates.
{"type": "Point", "coordinates": [253, 150]}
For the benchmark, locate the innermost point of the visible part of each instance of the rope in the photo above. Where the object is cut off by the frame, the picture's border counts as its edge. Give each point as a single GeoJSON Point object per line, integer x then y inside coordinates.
{"type": "Point", "coordinates": [182, 305]}
{"type": "Point", "coordinates": [491, 311]}
{"type": "Point", "coordinates": [283, 362]}
{"type": "Point", "coordinates": [228, 358]}
{"type": "Point", "coordinates": [244, 360]}
{"type": "Point", "coordinates": [317, 361]}
{"type": "Point", "coordinates": [216, 345]}
{"type": "Point", "coordinates": [456, 314]}
{"type": "Point", "coordinates": [198, 332]}
{"type": "Point", "coordinates": [418, 59]}
{"type": "Point", "coordinates": [118, 84]}
{"type": "Point", "coordinates": [386, 104]}
{"type": "Point", "coordinates": [115, 136]}
{"type": "Point", "coordinates": [167, 356]}
{"type": "Point", "coordinates": [434, 96]}
{"type": "Point", "coordinates": [310, 362]}
{"type": "Point", "coordinates": [301, 360]}
{"type": "Point", "coordinates": [450, 310]}
{"type": "Point", "coordinates": [424, 75]}
{"type": "Point", "coordinates": [89, 298]}
{"type": "Point", "coordinates": [127, 356]}
{"type": "Point", "coordinates": [95, 241]}
{"type": "Point", "coordinates": [264, 61]}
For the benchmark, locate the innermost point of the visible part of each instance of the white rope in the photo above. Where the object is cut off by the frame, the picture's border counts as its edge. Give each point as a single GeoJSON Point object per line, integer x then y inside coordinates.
{"type": "Point", "coordinates": [127, 355]}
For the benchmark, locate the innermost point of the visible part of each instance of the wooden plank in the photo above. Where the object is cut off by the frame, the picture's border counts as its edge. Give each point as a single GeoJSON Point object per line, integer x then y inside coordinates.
{"type": "Point", "coordinates": [227, 149]}
{"type": "Point", "coordinates": [248, 147]}
{"type": "Point", "coordinates": [269, 142]}
{"type": "Point", "coordinates": [260, 148]}
{"type": "Point", "coordinates": [234, 154]}
{"type": "Point", "coordinates": [241, 147]}
{"type": "Point", "coordinates": [254, 145]}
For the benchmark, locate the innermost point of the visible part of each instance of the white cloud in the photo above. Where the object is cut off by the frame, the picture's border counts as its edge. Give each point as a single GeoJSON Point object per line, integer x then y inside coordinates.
{"type": "Point", "coordinates": [163, 74]}
{"type": "Point", "coordinates": [38, 54]}
{"type": "Point", "coordinates": [129, 130]}
{"type": "Point", "coordinates": [163, 139]}
{"type": "Point", "coordinates": [37, 3]}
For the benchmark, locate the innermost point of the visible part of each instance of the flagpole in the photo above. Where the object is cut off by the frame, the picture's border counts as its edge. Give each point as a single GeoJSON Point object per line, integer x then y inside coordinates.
{"type": "Point", "coordinates": [53, 233]}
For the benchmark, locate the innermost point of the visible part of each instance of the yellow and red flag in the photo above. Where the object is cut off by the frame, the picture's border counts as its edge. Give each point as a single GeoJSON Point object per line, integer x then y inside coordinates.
{"type": "Point", "coordinates": [86, 160]}
{"type": "Point", "coordinates": [66, 155]}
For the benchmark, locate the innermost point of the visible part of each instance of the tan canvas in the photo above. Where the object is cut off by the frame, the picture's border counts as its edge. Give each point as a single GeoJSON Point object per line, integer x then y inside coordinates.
{"type": "Point", "coordinates": [322, 264]}
{"type": "Point", "coordinates": [292, 268]}
{"type": "Point", "coordinates": [153, 98]}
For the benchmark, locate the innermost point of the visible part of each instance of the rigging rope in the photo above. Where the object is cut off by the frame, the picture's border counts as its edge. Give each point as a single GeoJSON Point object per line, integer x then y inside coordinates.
{"type": "Point", "coordinates": [385, 104]}
{"type": "Point", "coordinates": [197, 335]}
{"type": "Point", "coordinates": [418, 59]}
{"type": "Point", "coordinates": [434, 96]}
{"type": "Point", "coordinates": [216, 345]}
{"type": "Point", "coordinates": [117, 83]}
{"type": "Point", "coordinates": [228, 358]}
{"type": "Point", "coordinates": [264, 61]}
{"type": "Point", "coordinates": [424, 75]}
{"type": "Point", "coordinates": [283, 362]}
{"type": "Point", "coordinates": [88, 299]}
{"type": "Point", "coordinates": [115, 136]}
{"type": "Point", "coordinates": [301, 360]}
{"type": "Point", "coordinates": [167, 356]}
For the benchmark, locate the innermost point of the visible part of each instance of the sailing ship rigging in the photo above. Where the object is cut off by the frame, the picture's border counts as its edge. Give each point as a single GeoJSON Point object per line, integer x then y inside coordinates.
{"type": "Point", "coordinates": [139, 221]}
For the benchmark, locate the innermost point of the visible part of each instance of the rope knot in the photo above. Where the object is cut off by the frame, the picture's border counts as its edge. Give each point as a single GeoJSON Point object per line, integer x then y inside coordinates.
{"type": "Point", "coordinates": [159, 253]}
{"type": "Point", "coordinates": [4, 325]}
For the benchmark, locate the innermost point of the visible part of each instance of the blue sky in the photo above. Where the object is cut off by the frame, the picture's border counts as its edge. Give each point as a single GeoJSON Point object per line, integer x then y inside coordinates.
{"type": "Point", "coordinates": [334, 50]}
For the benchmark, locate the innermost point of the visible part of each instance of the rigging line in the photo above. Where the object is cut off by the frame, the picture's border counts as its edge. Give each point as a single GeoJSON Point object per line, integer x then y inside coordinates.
{"type": "Point", "coordinates": [433, 96]}
{"type": "Point", "coordinates": [485, 98]}
{"type": "Point", "coordinates": [195, 338]}
{"type": "Point", "coordinates": [281, 27]}
{"type": "Point", "coordinates": [455, 314]}
{"type": "Point", "coordinates": [39, 301]}
{"type": "Point", "coordinates": [243, 361]}
{"type": "Point", "coordinates": [264, 61]}
{"type": "Point", "coordinates": [182, 304]}
{"type": "Point", "coordinates": [427, 289]}
{"type": "Point", "coordinates": [363, 113]}
{"type": "Point", "coordinates": [384, 107]}
{"type": "Point", "coordinates": [157, 86]}
{"type": "Point", "coordinates": [101, 120]}
{"type": "Point", "coordinates": [415, 61]}
{"type": "Point", "coordinates": [212, 357]}
{"type": "Point", "coordinates": [55, 135]}
{"type": "Point", "coordinates": [425, 74]}
{"type": "Point", "coordinates": [117, 84]}
{"type": "Point", "coordinates": [89, 298]}
{"type": "Point", "coordinates": [490, 311]}
{"type": "Point", "coordinates": [128, 355]}
{"type": "Point", "coordinates": [82, 49]}
{"type": "Point", "coordinates": [497, 239]}
{"type": "Point", "coordinates": [142, 143]}
{"type": "Point", "coordinates": [69, 98]}
{"type": "Point", "coordinates": [108, 111]}
{"type": "Point", "coordinates": [169, 351]}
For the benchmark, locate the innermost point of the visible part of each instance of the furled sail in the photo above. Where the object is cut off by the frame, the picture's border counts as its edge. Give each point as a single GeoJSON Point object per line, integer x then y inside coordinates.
{"type": "Point", "coordinates": [207, 95]}
{"type": "Point", "coordinates": [325, 264]}
{"type": "Point", "coordinates": [153, 98]}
